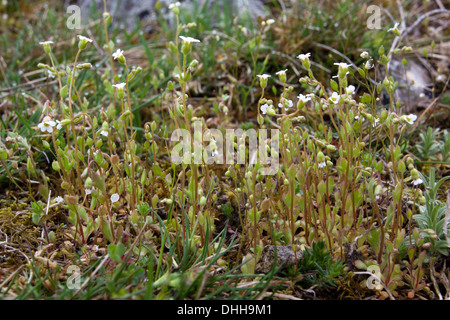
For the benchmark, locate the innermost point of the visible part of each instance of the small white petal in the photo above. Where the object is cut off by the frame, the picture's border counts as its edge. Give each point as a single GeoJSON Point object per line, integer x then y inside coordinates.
{"type": "Point", "coordinates": [263, 76]}
{"type": "Point", "coordinates": [342, 64]}
{"type": "Point", "coordinates": [411, 118]}
{"type": "Point", "coordinates": [350, 89]}
{"type": "Point", "coordinates": [42, 127]}
{"type": "Point", "coordinates": [264, 108]}
{"type": "Point", "coordinates": [395, 27]}
{"type": "Point", "coordinates": [304, 98]}
{"type": "Point", "coordinates": [189, 39]}
{"type": "Point", "coordinates": [304, 56]}
{"type": "Point", "coordinates": [120, 86]}
{"type": "Point", "coordinates": [322, 164]}
{"type": "Point", "coordinates": [84, 38]}
{"type": "Point", "coordinates": [117, 54]}
{"type": "Point", "coordinates": [114, 198]}
{"type": "Point", "coordinates": [335, 97]}
{"type": "Point", "coordinates": [174, 5]}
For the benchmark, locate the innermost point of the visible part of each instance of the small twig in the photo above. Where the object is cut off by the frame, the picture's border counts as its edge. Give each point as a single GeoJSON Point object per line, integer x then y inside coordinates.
{"type": "Point", "coordinates": [439, 3]}
{"type": "Point", "coordinates": [30, 88]}
{"type": "Point", "coordinates": [433, 279]}
{"type": "Point", "coordinates": [404, 32]}
{"type": "Point", "coordinates": [285, 296]}
{"type": "Point", "coordinates": [11, 276]}
{"type": "Point", "coordinates": [342, 56]}
{"type": "Point", "coordinates": [93, 274]}
{"type": "Point", "coordinates": [402, 14]}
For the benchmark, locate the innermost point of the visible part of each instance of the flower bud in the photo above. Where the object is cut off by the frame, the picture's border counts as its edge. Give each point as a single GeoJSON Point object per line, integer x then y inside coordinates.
{"type": "Point", "coordinates": [107, 17]}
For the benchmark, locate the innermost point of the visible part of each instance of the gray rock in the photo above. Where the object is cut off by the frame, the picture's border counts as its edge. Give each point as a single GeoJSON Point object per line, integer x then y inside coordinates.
{"type": "Point", "coordinates": [414, 83]}
{"type": "Point", "coordinates": [286, 257]}
{"type": "Point", "coordinates": [126, 12]}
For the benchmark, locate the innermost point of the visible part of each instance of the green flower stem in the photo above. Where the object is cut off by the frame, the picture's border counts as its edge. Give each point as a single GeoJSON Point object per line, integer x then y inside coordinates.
{"type": "Point", "coordinates": [124, 123]}
{"type": "Point", "coordinates": [133, 187]}
{"type": "Point", "coordinates": [105, 28]}
{"type": "Point", "coordinates": [72, 80]}
{"type": "Point", "coordinates": [58, 157]}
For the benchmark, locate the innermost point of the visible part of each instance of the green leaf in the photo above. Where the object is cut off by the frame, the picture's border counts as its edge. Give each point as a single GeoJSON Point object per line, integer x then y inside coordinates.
{"type": "Point", "coordinates": [366, 98]}
{"type": "Point", "coordinates": [98, 181]}
{"type": "Point", "coordinates": [63, 92]}
{"type": "Point", "coordinates": [116, 252]}
{"type": "Point", "coordinates": [334, 85]}
{"type": "Point", "coordinates": [157, 170]}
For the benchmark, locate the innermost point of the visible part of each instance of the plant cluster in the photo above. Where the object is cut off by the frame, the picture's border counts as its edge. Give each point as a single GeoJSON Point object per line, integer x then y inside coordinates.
{"type": "Point", "coordinates": [347, 193]}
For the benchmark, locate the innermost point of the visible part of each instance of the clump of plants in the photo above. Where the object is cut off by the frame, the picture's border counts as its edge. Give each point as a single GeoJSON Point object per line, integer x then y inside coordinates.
{"type": "Point", "coordinates": [333, 182]}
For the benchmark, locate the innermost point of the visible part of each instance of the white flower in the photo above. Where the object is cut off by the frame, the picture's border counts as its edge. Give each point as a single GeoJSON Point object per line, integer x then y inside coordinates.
{"type": "Point", "coordinates": [264, 108]}
{"type": "Point", "coordinates": [336, 76]}
{"type": "Point", "coordinates": [304, 98]}
{"type": "Point", "coordinates": [46, 42]}
{"type": "Point", "coordinates": [104, 133]}
{"type": "Point", "coordinates": [395, 27]}
{"type": "Point", "coordinates": [376, 122]}
{"type": "Point", "coordinates": [286, 103]}
{"type": "Point", "coordinates": [368, 65]}
{"type": "Point", "coordinates": [263, 76]}
{"type": "Point", "coordinates": [411, 118]}
{"type": "Point", "coordinates": [120, 86]}
{"type": "Point", "coordinates": [88, 191]}
{"type": "Point", "coordinates": [59, 125]}
{"type": "Point", "coordinates": [47, 125]}
{"type": "Point", "coordinates": [322, 164]}
{"type": "Point", "coordinates": [350, 90]}
{"type": "Point", "coordinates": [342, 65]}
{"type": "Point", "coordinates": [281, 72]}
{"type": "Point", "coordinates": [59, 199]}
{"type": "Point", "coordinates": [335, 98]}
{"type": "Point", "coordinates": [417, 181]}
{"type": "Point", "coordinates": [50, 74]}
{"type": "Point", "coordinates": [179, 76]}
{"type": "Point", "coordinates": [117, 54]}
{"type": "Point", "coordinates": [189, 39]}
{"type": "Point", "coordinates": [304, 56]}
{"type": "Point", "coordinates": [84, 38]}
{"type": "Point", "coordinates": [270, 21]}
{"type": "Point", "coordinates": [115, 197]}
{"type": "Point", "coordinates": [174, 5]}
{"type": "Point", "coordinates": [364, 54]}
